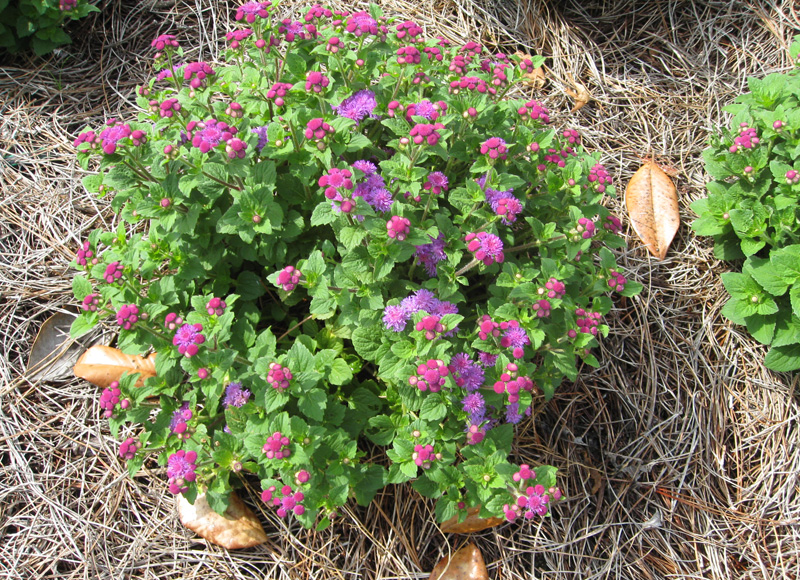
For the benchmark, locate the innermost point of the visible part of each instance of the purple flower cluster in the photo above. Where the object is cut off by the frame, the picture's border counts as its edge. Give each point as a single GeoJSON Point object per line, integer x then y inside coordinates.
{"type": "Point", "coordinates": [90, 303]}
{"type": "Point", "coordinates": [426, 133]}
{"type": "Point", "coordinates": [85, 255]}
{"type": "Point", "coordinates": [277, 446]}
{"type": "Point", "coordinates": [395, 317]}
{"type": "Point", "coordinates": [747, 139]}
{"type": "Point", "coordinates": [535, 111]}
{"type": "Point", "coordinates": [495, 148]}
{"type": "Point", "coordinates": [431, 376]}
{"type": "Point", "coordinates": [180, 416]}
{"type": "Point", "coordinates": [287, 500]}
{"type": "Point", "coordinates": [110, 398]}
{"type": "Point", "coordinates": [235, 37]}
{"type": "Point", "coordinates": [613, 224]}
{"type": "Point", "coordinates": [235, 395]}
{"type": "Point", "coordinates": [397, 227]}
{"type": "Point", "coordinates": [316, 82]}
{"type": "Point", "coordinates": [250, 10]}
{"type": "Point", "coordinates": [127, 316]}
{"type": "Point", "coordinates": [112, 273]}
{"type": "Point", "coordinates": [423, 455]}
{"type": "Point", "coordinates": [792, 177]}
{"type": "Point", "coordinates": [373, 190]}
{"type": "Point", "coordinates": [436, 182]}
{"type": "Point", "coordinates": [278, 376]}
{"type": "Point", "coordinates": [361, 23]}
{"type": "Point", "coordinates": [216, 307]}
{"type": "Point", "coordinates": [277, 92]}
{"type": "Point", "coordinates": [599, 177]}
{"type": "Point", "coordinates": [163, 41]}
{"type": "Point", "coordinates": [207, 135]}
{"type": "Point", "coordinates": [196, 73]}
{"type": "Point", "coordinates": [616, 281]}
{"type": "Point", "coordinates": [429, 255]}
{"type": "Point", "coordinates": [486, 247]}
{"type": "Point", "coordinates": [586, 228]}
{"type": "Point", "coordinates": [534, 502]}
{"type": "Point", "coordinates": [288, 278]}
{"type": "Point", "coordinates": [467, 374]}
{"type": "Point", "coordinates": [129, 447]}
{"type": "Point", "coordinates": [181, 470]}
{"type": "Point", "coordinates": [357, 106]}
{"type": "Point", "coordinates": [504, 204]}
{"type": "Point", "coordinates": [588, 322]}
{"type": "Point", "coordinates": [514, 338]}
{"type": "Point", "coordinates": [187, 338]}
{"type": "Point", "coordinates": [262, 136]}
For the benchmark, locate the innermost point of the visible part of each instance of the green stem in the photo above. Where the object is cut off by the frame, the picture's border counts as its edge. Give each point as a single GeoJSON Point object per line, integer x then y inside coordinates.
{"type": "Point", "coordinates": [221, 182]}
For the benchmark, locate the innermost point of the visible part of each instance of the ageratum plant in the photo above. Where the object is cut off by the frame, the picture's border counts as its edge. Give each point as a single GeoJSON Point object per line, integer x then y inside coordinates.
{"type": "Point", "coordinates": [38, 24]}
{"type": "Point", "coordinates": [344, 235]}
{"type": "Point", "coordinates": [752, 211]}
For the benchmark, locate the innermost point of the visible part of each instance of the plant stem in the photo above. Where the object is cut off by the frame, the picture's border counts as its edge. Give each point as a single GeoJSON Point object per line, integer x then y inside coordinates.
{"type": "Point", "coordinates": [302, 322]}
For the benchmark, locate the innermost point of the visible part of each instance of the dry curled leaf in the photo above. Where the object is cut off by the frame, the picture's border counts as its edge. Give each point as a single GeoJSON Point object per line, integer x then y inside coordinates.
{"type": "Point", "coordinates": [237, 528]}
{"type": "Point", "coordinates": [53, 352]}
{"type": "Point", "coordinates": [581, 95]}
{"type": "Point", "coordinates": [102, 365]}
{"type": "Point", "coordinates": [536, 77]}
{"type": "Point", "coordinates": [472, 523]}
{"type": "Point", "coordinates": [652, 202]}
{"type": "Point", "coordinates": [465, 564]}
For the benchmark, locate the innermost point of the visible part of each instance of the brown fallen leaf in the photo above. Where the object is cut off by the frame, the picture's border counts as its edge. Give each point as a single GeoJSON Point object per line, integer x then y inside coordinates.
{"type": "Point", "coordinates": [652, 202]}
{"type": "Point", "coordinates": [536, 77]}
{"type": "Point", "coordinates": [102, 365]}
{"type": "Point", "coordinates": [472, 523]}
{"type": "Point", "coordinates": [238, 528]}
{"type": "Point", "coordinates": [465, 564]}
{"type": "Point", "coordinates": [581, 96]}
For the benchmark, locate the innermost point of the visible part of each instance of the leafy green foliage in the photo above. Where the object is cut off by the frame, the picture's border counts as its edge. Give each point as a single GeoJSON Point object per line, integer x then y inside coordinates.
{"type": "Point", "coordinates": [315, 267]}
{"type": "Point", "coordinates": [752, 211]}
{"type": "Point", "coordinates": [37, 24]}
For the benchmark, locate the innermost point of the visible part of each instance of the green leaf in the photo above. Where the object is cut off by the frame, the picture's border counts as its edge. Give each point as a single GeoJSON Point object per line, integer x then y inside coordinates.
{"type": "Point", "coordinates": [740, 286]}
{"type": "Point", "coordinates": [764, 273]}
{"type": "Point", "coordinates": [380, 430]}
{"type": "Point", "coordinates": [786, 262]}
{"type": "Point", "coordinates": [762, 328]}
{"type": "Point", "coordinates": [81, 287]}
{"type": "Point", "coordinates": [794, 297]}
{"type": "Point", "coordinates": [433, 408]}
{"type": "Point", "coordinates": [85, 322]}
{"type": "Point", "coordinates": [341, 373]}
{"type": "Point", "coordinates": [312, 404]}
{"type": "Point", "coordinates": [323, 214]}
{"type": "Point", "coordinates": [404, 349]}
{"type": "Point", "coordinates": [366, 340]}
{"type": "Point", "coordinates": [783, 358]}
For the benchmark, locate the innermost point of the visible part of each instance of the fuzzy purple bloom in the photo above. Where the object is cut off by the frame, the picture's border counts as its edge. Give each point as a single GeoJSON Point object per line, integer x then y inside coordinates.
{"type": "Point", "coordinates": [358, 106]}
{"type": "Point", "coordinates": [512, 413]}
{"type": "Point", "coordinates": [366, 167]}
{"type": "Point", "coordinates": [235, 395]}
{"type": "Point", "coordinates": [473, 403]}
{"type": "Point", "coordinates": [429, 255]}
{"type": "Point", "coordinates": [395, 318]}
{"type": "Point", "coordinates": [262, 137]}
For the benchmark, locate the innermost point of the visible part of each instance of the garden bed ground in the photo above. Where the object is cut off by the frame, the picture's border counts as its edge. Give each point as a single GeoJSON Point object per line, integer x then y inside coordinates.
{"type": "Point", "coordinates": [679, 456]}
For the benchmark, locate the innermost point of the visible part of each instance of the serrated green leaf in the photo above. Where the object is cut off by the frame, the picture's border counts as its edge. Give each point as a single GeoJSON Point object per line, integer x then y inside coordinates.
{"type": "Point", "coordinates": [783, 358]}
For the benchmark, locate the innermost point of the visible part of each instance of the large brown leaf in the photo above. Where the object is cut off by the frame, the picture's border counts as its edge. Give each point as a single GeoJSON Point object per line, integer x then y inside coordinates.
{"type": "Point", "coordinates": [652, 202]}
{"type": "Point", "coordinates": [472, 523]}
{"type": "Point", "coordinates": [237, 528]}
{"type": "Point", "coordinates": [465, 564]}
{"type": "Point", "coordinates": [102, 365]}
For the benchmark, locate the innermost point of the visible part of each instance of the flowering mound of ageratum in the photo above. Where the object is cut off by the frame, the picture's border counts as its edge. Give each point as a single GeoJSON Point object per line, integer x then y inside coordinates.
{"type": "Point", "coordinates": [752, 211]}
{"type": "Point", "coordinates": [349, 235]}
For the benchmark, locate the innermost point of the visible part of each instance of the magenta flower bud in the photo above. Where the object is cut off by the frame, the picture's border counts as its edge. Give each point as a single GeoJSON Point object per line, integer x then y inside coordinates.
{"type": "Point", "coordinates": [165, 202]}
{"type": "Point", "coordinates": [278, 377]}
{"type": "Point", "coordinates": [202, 373]}
{"type": "Point", "coordinates": [398, 227]}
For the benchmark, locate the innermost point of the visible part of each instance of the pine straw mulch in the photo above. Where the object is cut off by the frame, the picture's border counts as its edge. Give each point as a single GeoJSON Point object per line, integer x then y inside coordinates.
{"type": "Point", "coordinates": [679, 456]}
